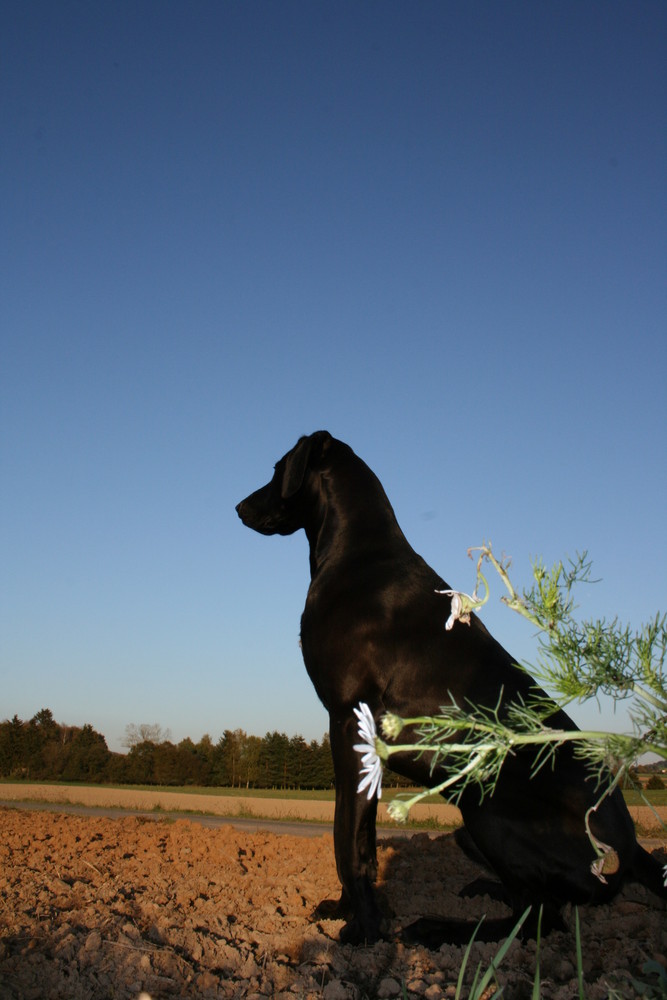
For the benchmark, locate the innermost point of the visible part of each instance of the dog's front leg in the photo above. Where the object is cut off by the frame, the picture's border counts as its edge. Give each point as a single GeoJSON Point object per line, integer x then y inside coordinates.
{"type": "Point", "coordinates": [354, 838]}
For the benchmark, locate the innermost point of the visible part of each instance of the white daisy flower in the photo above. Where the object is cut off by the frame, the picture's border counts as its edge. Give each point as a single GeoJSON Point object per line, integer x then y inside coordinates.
{"type": "Point", "coordinates": [371, 762]}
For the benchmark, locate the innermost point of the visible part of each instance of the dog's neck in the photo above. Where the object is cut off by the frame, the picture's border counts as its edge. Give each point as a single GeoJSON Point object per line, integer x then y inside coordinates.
{"type": "Point", "coordinates": [366, 524]}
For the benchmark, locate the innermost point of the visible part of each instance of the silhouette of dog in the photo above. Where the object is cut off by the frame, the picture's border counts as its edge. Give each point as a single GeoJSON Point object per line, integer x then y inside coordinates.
{"type": "Point", "coordinates": [373, 630]}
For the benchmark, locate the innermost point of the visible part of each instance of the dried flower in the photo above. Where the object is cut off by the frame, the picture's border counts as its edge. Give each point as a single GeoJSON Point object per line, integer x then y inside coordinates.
{"type": "Point", "coordinates": [607, 861]}
{"type": "Point", "coordinates": [462, 605]}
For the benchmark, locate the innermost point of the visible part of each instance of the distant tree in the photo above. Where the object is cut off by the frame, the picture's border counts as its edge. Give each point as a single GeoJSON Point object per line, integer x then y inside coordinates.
{"type": "Point", "coordinates": [203, 753]}
{"type": "Point", "coordinates": [139, 766]}
{"type": "Point", "coordinates": [45, 722]}
{"type": "Point", "coordinates": [205, 747]}
{"type": "Point", "coordinates": [323, 772]}
{"type": "Point", "coordinates": [250, 751]}
{"type": "Point", "coordinates": [298, 763]}
{"type": "Point", "coordinates": [166, 764]}
{"type": "Point", "coordinates": [228, 761]}
{"type": "Point", "coordinates": [40, 757]}
{"type": "Point", "coordinates": [655, 783]}
{"type": "Point", "coordinates": [87, 757]}
{"type": "Point", "coordinates": [12, 748]}
{"type": "Point", "coordinates": [190, 765]}
{"type": "Point", "coordinates": [145, 733]}
{"type": "Point", "coordinates": [274, 761]}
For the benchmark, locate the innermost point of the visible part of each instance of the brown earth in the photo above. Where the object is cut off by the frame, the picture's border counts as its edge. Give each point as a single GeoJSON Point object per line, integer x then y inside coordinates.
{"type": "Point", "coordinates": [101, 908]}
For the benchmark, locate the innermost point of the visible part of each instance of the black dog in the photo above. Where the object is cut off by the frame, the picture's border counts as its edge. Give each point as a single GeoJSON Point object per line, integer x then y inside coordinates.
{"type": "Point", "coordinates": [373, 630]}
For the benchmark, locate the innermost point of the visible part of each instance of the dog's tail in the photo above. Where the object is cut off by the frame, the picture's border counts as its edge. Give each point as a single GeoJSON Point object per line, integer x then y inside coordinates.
{"type": "Point", "coordinates": [650, 871]}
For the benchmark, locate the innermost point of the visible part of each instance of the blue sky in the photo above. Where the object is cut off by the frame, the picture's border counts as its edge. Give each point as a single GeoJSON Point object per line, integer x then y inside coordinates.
{"type": "Point", "coordinates": [438, 230]}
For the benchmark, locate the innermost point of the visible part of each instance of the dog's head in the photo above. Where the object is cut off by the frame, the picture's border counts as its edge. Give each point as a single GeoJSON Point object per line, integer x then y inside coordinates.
{"type": "Point", "coordinates": [280, 507]}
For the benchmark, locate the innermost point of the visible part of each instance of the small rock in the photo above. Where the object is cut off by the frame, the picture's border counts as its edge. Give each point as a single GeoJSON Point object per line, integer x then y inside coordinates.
{"type": "Point", "coordinates": [335, 990]}
{"type": "Point", "coordinates": [389, 988]}
{"type": "Point", "coordinates": [93, 941]}
{"type": "Point", "coordinates": [564, 971]}
{"type": "Point", "coordinates": [155, 935]}
{"type": "Point", "coordinates": [207, 981]}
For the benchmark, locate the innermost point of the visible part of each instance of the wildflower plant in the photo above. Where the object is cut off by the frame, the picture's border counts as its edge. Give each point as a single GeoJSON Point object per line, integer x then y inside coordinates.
{"type": "Point", "coordinates": [576, 661]}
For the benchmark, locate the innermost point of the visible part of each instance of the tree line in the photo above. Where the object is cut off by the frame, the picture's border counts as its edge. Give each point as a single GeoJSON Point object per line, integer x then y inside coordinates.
{"type": "Point", "coordinates": [42, 749]}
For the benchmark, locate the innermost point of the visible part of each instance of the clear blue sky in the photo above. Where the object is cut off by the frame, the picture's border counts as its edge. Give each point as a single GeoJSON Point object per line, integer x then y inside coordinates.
{"type": "Point", "coordinates": [438, 230]}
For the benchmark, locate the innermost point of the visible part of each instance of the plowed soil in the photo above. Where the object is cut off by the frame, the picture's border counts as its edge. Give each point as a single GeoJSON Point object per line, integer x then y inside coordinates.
{"type": "Point", "coordinates": [101, 908]}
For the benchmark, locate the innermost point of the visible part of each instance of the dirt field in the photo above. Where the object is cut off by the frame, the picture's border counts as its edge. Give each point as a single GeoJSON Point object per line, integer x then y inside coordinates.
{"type": "Point", "coordinates": [100, 908]}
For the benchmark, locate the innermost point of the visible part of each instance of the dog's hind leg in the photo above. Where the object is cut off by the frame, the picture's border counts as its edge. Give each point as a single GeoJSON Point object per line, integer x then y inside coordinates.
{"type": "Point", "coordinates": [485, 885]}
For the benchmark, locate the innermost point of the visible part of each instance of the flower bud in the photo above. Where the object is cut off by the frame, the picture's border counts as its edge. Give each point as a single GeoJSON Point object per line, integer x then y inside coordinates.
{"type": "Point", "coordinates": [391, 725]}
{"type": "Point", "coordinates": [398, 810]}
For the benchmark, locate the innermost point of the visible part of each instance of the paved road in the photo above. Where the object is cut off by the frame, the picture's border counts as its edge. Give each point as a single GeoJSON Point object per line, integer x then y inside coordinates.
{"type": "Point", "coordinates": [304, 829]}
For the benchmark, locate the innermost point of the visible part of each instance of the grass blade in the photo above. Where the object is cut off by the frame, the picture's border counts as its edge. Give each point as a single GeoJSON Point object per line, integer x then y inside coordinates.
{"type": "Point", "coordinates": [464, 963]}
{"type": "Point", "coordinates": [580, 959]}
{"type": "Point", "coordinates": [536, 982]}
{"type": "Point", "coordinates": [502, 951]}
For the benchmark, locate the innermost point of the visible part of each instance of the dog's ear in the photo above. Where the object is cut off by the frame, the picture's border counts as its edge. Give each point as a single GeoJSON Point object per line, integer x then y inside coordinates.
{"type": "Point", "coordinates": [297, 461]}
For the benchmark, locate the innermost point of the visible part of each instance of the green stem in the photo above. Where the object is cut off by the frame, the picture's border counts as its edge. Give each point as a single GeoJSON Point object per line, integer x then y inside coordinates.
{"type": "Point", "coordinates": [504, 735]}
{"type": "Point", "coordinates": [641, 692]}
{"type": "Point", "coordinates": [438, 789]}
{"type": "Point", "coordinates": [620, 773]}
{"type": "Point", "coordinates": [466, 748]}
